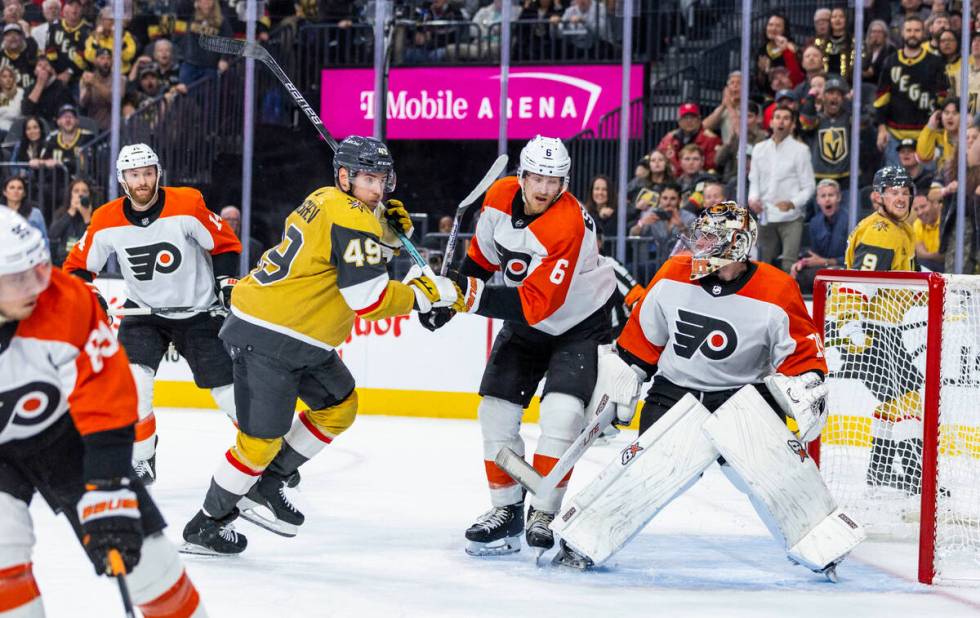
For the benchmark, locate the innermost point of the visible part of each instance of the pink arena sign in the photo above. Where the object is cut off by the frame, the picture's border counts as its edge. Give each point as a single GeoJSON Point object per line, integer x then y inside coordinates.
{"type": "Point", "coordinates": [463, 102]}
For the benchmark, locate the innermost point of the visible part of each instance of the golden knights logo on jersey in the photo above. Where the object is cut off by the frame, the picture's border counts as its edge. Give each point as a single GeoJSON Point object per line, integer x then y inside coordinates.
{"type": "Point", "coordinates": [833, 144]}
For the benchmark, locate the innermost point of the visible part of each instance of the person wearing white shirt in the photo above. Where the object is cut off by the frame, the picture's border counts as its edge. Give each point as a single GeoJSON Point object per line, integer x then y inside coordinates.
{"type": "Point", "coordinates": [781, 182]}
{"type": "Point", "coordinates": [11, 96]}
{"type": "Point", "coordinates": [584, 23]}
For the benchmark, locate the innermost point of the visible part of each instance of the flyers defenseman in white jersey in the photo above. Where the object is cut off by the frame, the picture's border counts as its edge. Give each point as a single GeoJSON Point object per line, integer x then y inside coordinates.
{"type": "Point", "coordinates": [173, 252]}
{"type": "Point", "coordinates": [717, 326]}
{"type": "Point", "coordinates": [67, 412]}
{"type": "Point", "coordinates": [554, 306]}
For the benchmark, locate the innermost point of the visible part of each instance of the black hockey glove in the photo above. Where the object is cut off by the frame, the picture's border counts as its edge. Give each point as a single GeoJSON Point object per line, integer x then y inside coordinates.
{"type": "Point", "coordinates": [109, 514]}
{"type": "Point", "coordinates": [436, 319]}
{"type": "Point", "coordinates": [225, 287]}
{"type": "Point", "coordinates": [101, 300]}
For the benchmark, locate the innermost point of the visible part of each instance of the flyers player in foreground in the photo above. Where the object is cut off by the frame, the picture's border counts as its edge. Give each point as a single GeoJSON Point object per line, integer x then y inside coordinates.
{"type": "Point", "coordinates": [711, 328]}
{"type": "Point", "coordinates": [287, 318]}
{"type": "Point", "coordinates": [67, 412]}
{"type": "Point", "coordinates": [554, 303]}
{"type": "Point", "coordinates": [173, 252]}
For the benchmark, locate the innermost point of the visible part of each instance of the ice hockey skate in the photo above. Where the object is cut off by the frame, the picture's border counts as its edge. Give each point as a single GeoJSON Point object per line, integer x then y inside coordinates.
{"type": "Point", "coordinates": [497, 532]}
{"type": "Point", "coordinates": [267, 506]}
{"type": "Point", "coordinates": [205, 536]}
{"type": "Point", "coordinates": [568, 557]}
{"type": "Point", "coordinates": [146, 469]}
{"type": "Point", "coordinates": [538, 535]}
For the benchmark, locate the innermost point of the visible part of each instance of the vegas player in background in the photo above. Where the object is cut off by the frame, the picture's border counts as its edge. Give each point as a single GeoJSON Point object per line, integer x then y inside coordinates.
{"type": "Point", "coordinates": [710, 324]}
{"type": "Point", "coordinates": [67, 417]}
{"type": "Point", "coordinates": [554, 304]}
{"type": "Point", "coordinates": [173, 252]}
{"type": "Point", "coordinates": [866, 331]}
{"type": "Point", "coordinates": [287, 318]}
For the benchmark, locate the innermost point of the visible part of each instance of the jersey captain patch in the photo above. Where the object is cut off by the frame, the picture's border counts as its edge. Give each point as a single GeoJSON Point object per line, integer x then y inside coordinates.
{"type": "Point", "coordinates": [161, 257]}
{"type": "Point", "coordinates": [715, 339]}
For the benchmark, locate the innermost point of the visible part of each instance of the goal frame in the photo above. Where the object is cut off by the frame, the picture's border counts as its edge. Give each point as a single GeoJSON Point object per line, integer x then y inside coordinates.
{"type": "Point", "coordinates": [935, 285]}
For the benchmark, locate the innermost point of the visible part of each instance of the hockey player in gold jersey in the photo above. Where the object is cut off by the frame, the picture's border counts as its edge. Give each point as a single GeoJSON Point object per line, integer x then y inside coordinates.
{"type": "Point", "coordinates": [869, 327]}
{"type": "Point", "coordinates": [287, 317]}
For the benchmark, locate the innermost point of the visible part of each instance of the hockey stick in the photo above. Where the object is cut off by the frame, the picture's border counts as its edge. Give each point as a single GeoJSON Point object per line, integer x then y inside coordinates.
{"type": "Point", "coordinates": [128, 311]}
{"type": "Point", "coordinates": [519, 470]}
{"type": "Point", "coordinates": [488, 179]}
{"type": "Point", "coordinates": [117, 569]}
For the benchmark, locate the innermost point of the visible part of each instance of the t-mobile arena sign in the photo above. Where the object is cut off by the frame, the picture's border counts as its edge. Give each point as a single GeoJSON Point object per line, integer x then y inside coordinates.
{"type": "Point", "coordinates": [463, 102]}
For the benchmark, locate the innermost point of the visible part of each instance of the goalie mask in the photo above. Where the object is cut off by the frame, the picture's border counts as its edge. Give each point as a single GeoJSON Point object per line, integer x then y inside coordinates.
{"type": "Point", "coordinates": [722, 235]}
{"type": "Point", "coordinates": [364, 154]}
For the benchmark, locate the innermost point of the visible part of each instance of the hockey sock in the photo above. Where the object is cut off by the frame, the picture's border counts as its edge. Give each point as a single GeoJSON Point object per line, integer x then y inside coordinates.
{"type": "Point", "coordinates": [180, 601]}
{"type": "Point", "coordinates": [19, 592]}
{"type": "Point", "coordinates": [159, 584]}
{"type": "Point", "coordinates": [241, 468]}
{"type": "Point", "coordinates": [145, 443]}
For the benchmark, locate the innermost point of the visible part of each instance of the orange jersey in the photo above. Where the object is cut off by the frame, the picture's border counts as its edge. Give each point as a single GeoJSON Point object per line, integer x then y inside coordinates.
{"type": "Point", "coordinates": [552, 259]}
{"type": "Point", "coordinates": [62, 360]}
{"type": "Point", "coordinates": [712, 336]}
{"type": "Point", "coordinates": [165, 253]}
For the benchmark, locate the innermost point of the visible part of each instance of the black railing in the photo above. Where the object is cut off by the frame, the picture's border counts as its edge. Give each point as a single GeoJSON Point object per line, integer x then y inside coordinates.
{"type": "Point", "coordinates": [47, 187]}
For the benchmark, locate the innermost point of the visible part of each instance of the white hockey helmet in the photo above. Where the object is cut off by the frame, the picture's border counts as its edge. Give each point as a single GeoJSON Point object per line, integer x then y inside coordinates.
{"type": "Point", "coordinates": [721, 235]}
{"type": "Point", "coordinates": [135, 156]}
{"type": "Point", "coordinates": [546, 156]}
{"type": "Point", "coordinates": [25, 262]}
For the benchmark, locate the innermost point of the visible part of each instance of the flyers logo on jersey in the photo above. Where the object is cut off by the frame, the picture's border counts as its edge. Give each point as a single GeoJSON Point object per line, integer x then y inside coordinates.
{"type": "Point", "coordinates": [713, 338]}
{"type": "Point", "coordinates": [29, 404]}
{"type": "Point", "coordinates": [161, 257]}
{"type": "Point", "coordinates": [514, 264]}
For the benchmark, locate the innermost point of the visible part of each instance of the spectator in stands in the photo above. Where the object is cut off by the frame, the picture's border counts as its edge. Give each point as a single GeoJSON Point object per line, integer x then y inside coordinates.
{"type": "Point", "coordinates": [949, 51]}
{"type": "Point", "coordinates": [827, 133]}
{"type": "Point", "coordinates": [921, 176]}
{"type": "Point", "coordinates": [95, 89]}
{"type": "Point", "coordinates": [909, 71]}
{"type": "Point", "coordinates": [648, 195]}
{"type": "Point", "coordinates": [778, 80]}
{"type": "Point", "coordinates": [664, 225]}
{"type": "Point", "coordinates": [780, 184]}
{"type": "Point", "coordinates": [935, 24]}
{"type": "Point", "coordinates": [11, 96]}
{"type": "Point", "coordinates": [13, 13]}
{"type": "Point", "coordinates": [338, 40]}
{"type": "Point", "coordinates": [64, 145]}
{"type": "Point", "coordinates": [537, 41]}
{"type": "Point", "coordinates": [51, 9]}
{"type": "Point", "coordinates": [488, 20]}
{"type": "Point", "coordinates": [601, 204]}
{"type": "Point", "coordinates": [233, 217]}
{"type": "Point", "coordinates": [714, 194]}
{"type": "Point", "coordinates": [20, 53]}
{"type": "Point", "coordinates": [821, 26]}
{"type": "Point", "coordinates": [692, 178]}
{"type": "Point", "coordinates": [66, 43]}
{"type": "Point", "coordinates": [47, 95]}
{"type": "Point", "coordinates": [877, 47]}
{"type": "Point", "coordinates": [813, 65]}
{"type": "Point", "coordinates": [937, 140]}
{"type": "Point", "coordinates": [103, 35]}
{"type": "Point", "coordinates": [204, 17]}
{"type": "Point", "coordinates": [30, 145]}
{"type": "Point", "coordinates": [973, 76]}
{"type": "Point", "coordinates": [15, 198]}
{"type": "Point", "coordinates": [777, 50]}
{"type": "Point", "coordinates": [168, 65]}
{"type": "Point", "coordinates": [723, 120]}
{"type": "Point", "coordinates": [828, 236]}
{"type": "Point", "coordinates": [726, 161]}
{"type": "Point", "coordinates": [689, 131]}
{"type": "Point", "coordinates": [928, 209]}
{"type": "Point", "coordinates": [68, 223]}
{"type": "Point", "coordinates": [429, 43]}
{"type": "Point", "coordinates": [784, 99]}
{"type": "Point", "coordinates": [585, 25]}
{"type": "Point", "coordinates": [910, 8]}
{"type": "Point", "coordinates": [838, 48]}
{"type": "Point", "coordinates": [148, 85]}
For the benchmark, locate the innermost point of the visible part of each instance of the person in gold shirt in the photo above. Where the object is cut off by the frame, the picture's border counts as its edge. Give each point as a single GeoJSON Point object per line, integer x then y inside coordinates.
{"type": "Point", "coordinates": [928, 210]}
{"type": "Point", "coordinates": [287, 318]}
{"type": "Point", "coordinates": [867, 324]}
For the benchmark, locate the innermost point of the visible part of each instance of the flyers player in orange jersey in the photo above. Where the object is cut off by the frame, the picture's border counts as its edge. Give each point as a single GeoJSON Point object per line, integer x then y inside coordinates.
{"type": "Point", "coordinates": [710, 324]}
{"type": "Point", "coordinates": [67, 416]}
{"type": "Point", "coordinates": [174, 253]}
{"type": "Point", "coordinates": [555, 307]}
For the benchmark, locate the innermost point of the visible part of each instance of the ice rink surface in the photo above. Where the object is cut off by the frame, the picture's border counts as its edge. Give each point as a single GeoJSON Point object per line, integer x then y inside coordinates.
{"type": "Point", "coordinates": [386, 506]}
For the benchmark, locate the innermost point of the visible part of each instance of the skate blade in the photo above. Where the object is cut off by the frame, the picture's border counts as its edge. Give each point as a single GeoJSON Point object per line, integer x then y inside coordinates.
{"type": "Point", "coordinates": [562, 559]}
{"type": "Point", "coordinates": [502, 547]}
{"type": "Point", "coordinates": [831, 574]}
{"type": "Point", "coordinates": [199, 550]}
{"type": "Point", "coordinates": [250, 511]}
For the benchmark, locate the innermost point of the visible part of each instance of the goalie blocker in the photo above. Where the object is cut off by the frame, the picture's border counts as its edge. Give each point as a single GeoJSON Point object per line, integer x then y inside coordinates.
{"type": "Point", "coordinates": [764, 458]}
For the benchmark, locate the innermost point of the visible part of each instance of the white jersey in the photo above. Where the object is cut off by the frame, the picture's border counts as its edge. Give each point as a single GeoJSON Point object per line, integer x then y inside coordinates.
{"type": "Point", "coordinates": [164, 253]}
{"type": "Point", "coordinates": [553, 258]}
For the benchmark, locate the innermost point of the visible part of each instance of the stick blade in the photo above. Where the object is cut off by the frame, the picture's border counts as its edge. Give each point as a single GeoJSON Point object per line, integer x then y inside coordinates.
{"type": "Point", "coordinates": [488, 179]}
{"type": "Point", "coordinates": [232, 47]}
{"type": "Point", "coordinates": [518, 469]}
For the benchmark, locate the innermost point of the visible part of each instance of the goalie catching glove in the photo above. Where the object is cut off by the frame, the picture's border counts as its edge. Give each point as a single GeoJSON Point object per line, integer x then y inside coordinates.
{"type": "Point", "coordinates": [109, 515]}
{"type": "Point", "coordinates": [394, 218]}
{"type": "Point", "coordinates": [803, 398]}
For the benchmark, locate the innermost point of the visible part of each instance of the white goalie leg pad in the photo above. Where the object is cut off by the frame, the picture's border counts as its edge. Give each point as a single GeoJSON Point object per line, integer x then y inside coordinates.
{"type": "Point", "coordinates": [782, 478]}
{"type": "Point", "coordinates": [159, 584]}
{"type": "Point", "coordinates": [224, 396]}
{"type": "Point", "coordinates": [145, 444]}
{"type": "Point", "coordinates": [644, 478]}
{"type": "Point", "coordinates": [500, 424]}
{"type": "Point", "coordinates": [562, 419]}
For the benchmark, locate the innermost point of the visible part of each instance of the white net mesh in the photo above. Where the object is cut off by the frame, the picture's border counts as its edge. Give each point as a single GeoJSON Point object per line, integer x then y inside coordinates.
{"type": "Point", "coordinates": [871, 448]}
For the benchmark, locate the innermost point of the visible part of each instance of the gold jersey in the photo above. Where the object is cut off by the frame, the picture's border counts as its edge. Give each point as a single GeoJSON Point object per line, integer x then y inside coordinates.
{"type": "Point", "coordinates": [328, 269]}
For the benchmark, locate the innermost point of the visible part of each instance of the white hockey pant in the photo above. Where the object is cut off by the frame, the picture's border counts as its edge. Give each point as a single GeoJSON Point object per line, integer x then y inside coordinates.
{"type": "Point", "coordinates": [224, 396]}
{"type": "Point", "coordinates": [784, 484]}
{"type": "Point", "coordinates": [146, 427]}
{"type": "Point", "coordinates": [644, 478]}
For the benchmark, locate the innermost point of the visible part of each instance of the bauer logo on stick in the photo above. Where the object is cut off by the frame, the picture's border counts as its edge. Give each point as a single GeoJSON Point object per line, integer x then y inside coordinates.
{"type": "Point", "coordinates": [161, 257]}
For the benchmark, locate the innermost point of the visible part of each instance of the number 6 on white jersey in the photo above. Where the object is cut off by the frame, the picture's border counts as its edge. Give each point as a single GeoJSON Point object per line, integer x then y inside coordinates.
{"type": "Point", "coordinates": [558, 273]}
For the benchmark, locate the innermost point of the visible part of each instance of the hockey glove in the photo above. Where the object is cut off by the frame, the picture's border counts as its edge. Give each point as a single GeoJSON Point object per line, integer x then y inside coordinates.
{"type": "Point", "coordinates": [803, 398]}
{"type": "Point", "coordinates": [634, 296]}
{"type": "Point", "coordinates": [225, 287]}
{"type": "Point", "coordinates": [101, 299]}
{"type": "Point", "coordinates": [436, 319]}
{"type": "Point", "coordinates": [470, 293]}
{"type": "Point", "coordinates": [393, 216]}
{"type": "Point", "coordinates": [109, 515]}
{"type": "Point", "coordinates": [432, 292]}
{"type": "Point", "coordinates": [398, 218]}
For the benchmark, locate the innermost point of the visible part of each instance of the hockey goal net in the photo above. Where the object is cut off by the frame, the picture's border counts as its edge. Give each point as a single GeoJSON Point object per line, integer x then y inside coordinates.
{"type": "Point", "coordinates": [901, 448]}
